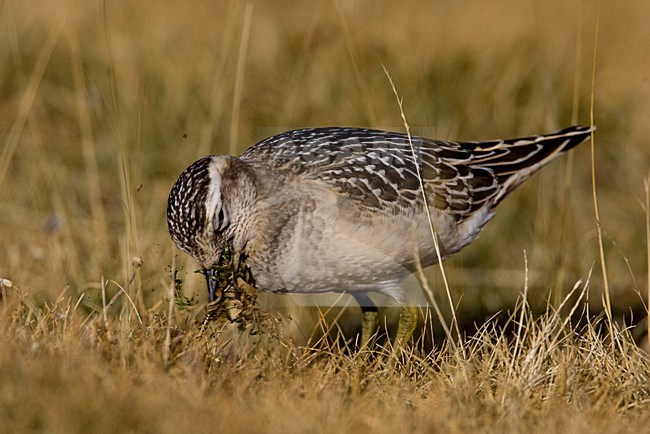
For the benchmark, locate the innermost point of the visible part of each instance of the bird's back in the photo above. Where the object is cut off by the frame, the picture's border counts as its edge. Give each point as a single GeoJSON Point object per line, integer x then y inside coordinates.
{"type": "Point", "coordinates": [376, 169]}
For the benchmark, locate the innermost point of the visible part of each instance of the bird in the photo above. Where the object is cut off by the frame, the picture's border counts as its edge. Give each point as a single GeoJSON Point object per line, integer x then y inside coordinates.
{"type": "Point", "coordinates": [349, 210]}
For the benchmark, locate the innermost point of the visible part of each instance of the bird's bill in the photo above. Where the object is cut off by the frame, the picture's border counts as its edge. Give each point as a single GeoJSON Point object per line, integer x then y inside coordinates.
{"type": "Point", "coordinates": [212, 281]}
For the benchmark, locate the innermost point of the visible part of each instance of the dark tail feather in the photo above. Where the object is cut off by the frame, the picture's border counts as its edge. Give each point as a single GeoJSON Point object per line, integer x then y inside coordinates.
{"type": "Point", "coordinates": [513, 161]}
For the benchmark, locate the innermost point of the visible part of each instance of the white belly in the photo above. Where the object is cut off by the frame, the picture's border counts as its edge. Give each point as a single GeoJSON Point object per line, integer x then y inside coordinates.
{"type": "Point", "coordinates": [344, 251]}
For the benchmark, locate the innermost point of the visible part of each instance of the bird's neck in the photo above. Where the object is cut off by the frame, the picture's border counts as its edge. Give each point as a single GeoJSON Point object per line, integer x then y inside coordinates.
{"type": "Point", "coordinates": [241, 208]}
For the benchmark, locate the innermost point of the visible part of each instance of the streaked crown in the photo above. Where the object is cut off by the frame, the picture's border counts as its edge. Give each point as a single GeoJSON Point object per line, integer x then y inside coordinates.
{"type": "Point", "coordinates": [196, 214]}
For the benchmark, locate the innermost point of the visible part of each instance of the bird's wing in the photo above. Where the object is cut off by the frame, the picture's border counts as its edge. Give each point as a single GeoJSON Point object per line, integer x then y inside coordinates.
{"type": "Point", "coordinates": [377, 170]}
{"type": "Point", "coordinates": [471, 175]}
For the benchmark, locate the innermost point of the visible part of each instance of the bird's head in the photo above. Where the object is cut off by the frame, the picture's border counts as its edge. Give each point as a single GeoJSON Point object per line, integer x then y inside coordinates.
{"type": "Point", "coordinates": [207, 209]}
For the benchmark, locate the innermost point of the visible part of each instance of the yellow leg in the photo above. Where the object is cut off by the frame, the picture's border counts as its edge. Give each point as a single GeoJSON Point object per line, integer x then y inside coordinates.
{"type": "Point", "coordinates": [369, 322]}
{"type": "Point", "coordinates": [368, 327]}
{"type": "Point", "coordinates": [366, 346]}
{"type": "Point", "coordinates": [408, 319]}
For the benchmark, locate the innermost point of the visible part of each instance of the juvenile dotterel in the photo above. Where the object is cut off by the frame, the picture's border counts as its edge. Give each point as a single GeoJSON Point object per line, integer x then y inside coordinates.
{"type": "Point", "coordinates": [341, 209]}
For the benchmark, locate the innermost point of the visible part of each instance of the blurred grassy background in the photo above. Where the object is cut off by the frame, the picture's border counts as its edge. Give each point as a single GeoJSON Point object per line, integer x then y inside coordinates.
{"type": "Point", "coordinates": [105, 103]}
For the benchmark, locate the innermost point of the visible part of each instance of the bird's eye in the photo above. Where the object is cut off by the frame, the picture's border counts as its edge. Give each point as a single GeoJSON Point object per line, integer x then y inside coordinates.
{"type": "Point", "coordinates": [221, 217]}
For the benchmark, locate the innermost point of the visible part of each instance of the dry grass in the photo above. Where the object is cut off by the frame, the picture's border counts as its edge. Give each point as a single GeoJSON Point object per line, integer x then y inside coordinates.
{"type": "Point", "coordinates": [66, 371]}
{"type": "Point", "coordinates": [104, 104]}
